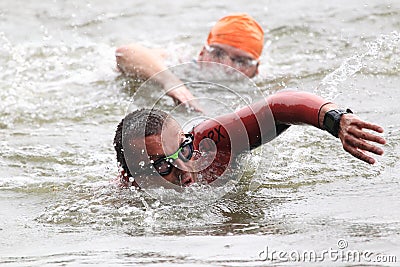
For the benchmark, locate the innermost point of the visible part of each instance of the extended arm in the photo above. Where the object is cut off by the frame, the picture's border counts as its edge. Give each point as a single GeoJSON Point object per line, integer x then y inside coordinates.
{"type": "Point", "coordinates": [294, 107]}
{"type": "Point", "coordinates": [262, 121]}
{"type": "Point", "coordinates": [141, 62]}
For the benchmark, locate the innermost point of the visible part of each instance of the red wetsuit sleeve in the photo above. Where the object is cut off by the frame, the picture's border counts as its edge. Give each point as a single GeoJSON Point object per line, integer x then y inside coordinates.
{"type": "Point", "coordinates": [296, 107]}
{"type": "Point", "coordinates": [257, 123]}
{"type": "Point", "coordinates": [239, 131]}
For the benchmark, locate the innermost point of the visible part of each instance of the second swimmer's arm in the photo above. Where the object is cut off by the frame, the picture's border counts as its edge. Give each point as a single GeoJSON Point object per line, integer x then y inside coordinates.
{"type": "Point", "coordinates": [139, 61]}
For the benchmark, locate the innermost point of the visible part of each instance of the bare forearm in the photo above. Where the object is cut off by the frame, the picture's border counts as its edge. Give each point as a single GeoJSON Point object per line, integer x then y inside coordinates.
{"type": "Point", "coordinates": [144, 63]}
{"type": "Point", "coordinates": [139, 61]}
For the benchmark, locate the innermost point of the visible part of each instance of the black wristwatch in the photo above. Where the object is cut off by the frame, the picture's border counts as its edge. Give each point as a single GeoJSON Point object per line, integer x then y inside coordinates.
{"type": "Point", "coordinates": [332, 120]}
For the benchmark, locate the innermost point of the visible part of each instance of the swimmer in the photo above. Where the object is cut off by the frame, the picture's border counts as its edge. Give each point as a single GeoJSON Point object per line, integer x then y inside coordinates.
{"type": "Point", "coordinates": [236, 40]}
{"type": "Point", "coordinates": [172, 153]}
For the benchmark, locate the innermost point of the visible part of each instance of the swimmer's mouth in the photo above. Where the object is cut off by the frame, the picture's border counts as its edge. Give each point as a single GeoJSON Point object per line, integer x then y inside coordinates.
{"type": "Point", "coordinates": [187, 180]}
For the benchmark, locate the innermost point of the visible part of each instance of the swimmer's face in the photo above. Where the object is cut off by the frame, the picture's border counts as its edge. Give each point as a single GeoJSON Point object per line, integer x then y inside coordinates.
{"type": "Point", "coordinates": [163, 145]}
{"type": "Point", "coordinates": [231, 56]}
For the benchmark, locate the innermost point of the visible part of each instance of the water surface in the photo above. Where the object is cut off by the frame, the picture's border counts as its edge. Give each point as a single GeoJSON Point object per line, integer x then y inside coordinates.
{"type": "Point", "coordinates": [61, 101]}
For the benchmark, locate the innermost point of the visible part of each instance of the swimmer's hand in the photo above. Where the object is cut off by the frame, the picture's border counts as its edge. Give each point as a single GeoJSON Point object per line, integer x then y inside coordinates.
{"type": "Point", "coordinates": [354, 138]}
{"type": "Point", "coordinates": [182, 95]}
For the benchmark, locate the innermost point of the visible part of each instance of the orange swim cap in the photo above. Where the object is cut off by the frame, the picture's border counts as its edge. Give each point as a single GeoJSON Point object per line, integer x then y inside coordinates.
{"type": "Point", "coordinates": [240, 31]}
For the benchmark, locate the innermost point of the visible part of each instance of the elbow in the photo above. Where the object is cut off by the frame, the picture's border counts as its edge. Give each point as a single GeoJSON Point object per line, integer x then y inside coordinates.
{"type": "Point", "coordinates": [123, 52]}
{"type": "Point", "coordinates": [128, 56]}
{"type": "Point", "coordinates": [123, 57]}
{"type": "Point", "coordinates": [128, 50]}
{"type": "Point", "coordinates": [119, 52]}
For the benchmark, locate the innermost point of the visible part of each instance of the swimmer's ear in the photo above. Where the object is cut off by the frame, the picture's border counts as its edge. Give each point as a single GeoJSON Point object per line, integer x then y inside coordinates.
{"type": "Point", "coordinates": [258, 64]}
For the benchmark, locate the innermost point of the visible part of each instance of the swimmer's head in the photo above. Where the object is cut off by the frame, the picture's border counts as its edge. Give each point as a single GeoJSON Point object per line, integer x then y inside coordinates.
{"type": "Point", "coordinates": [236, 40]}
{"type": "Point", "coordinates": [240, 31]}
{"type": "Point", "coordinates": [149, 142]}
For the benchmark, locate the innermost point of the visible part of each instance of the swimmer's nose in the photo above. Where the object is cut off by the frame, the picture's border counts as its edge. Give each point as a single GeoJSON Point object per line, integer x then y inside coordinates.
{"type": "Point", "coordinates": [183, 166]}
{"type": "Point", "coordinates": [226, 61]}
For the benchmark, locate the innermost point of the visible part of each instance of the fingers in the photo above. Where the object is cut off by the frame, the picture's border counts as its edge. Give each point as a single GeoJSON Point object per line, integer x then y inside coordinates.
{"type": "Point", "coordinates": [366, 125]}
{"type": "Point", "coordinates": [363, 145]}
{"type": "Point", "coordinates": [358, 154]}
{"type": "Point", "coordinates": [355, 140]}
{"type": "Point", "coordinates": [366, 136]}
{"type": "Point", "coordinates": [192, 104]}
{"type": "Point", "coordinates": [182, 95]}
{"type": "Point", "coordinates": [189, 103]}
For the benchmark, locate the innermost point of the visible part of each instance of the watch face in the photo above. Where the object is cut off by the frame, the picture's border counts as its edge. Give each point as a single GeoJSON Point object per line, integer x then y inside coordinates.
{"type": "Point", "coordinates": [332, 121]}
{"type": "Point", "coordinates": [329, 123]}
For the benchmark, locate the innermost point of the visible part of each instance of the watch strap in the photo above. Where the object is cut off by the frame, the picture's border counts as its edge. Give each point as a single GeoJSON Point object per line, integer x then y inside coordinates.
{"type": "Point", "coordinates": [332, 120]}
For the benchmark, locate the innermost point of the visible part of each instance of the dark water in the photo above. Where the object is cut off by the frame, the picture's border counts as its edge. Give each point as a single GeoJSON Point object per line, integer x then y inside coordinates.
{"type": "Point", "coordinates": [61, 101]}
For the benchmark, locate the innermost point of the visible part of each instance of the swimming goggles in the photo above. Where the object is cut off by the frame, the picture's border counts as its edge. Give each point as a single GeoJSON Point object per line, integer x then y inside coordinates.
{"type": "Point", "coordinates": [220, 54]}
{"type": "Point", "coordinates": [185, 151]}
